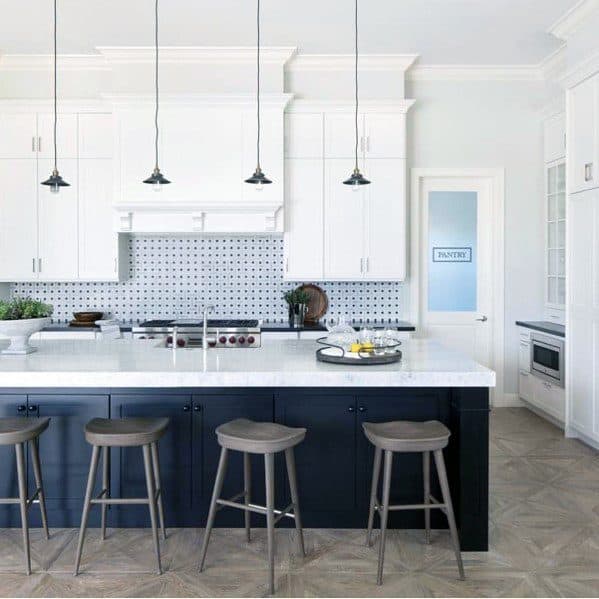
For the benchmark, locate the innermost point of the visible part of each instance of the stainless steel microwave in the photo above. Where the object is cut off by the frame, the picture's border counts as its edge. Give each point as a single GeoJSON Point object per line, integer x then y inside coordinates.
{"type": "Point", "coordinates": [547, 358]}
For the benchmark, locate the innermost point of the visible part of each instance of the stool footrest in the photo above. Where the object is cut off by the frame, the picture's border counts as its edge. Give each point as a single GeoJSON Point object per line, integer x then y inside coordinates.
{"type": "Point", "coordinates": [15, 500]}
{"type": "Point", "coordinates": [120, 501]}
{"type": "Point", "coordinates": [436, 505]}
{"type": "Point", "coordinates": [252, 507]}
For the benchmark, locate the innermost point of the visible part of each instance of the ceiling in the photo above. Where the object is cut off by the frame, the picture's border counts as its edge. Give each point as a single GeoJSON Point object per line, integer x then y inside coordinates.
{"type": "Point", "coordinates": [441, 31]}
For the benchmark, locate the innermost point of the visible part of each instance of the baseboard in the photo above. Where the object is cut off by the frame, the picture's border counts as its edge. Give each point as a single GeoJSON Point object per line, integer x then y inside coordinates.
{"type": "Point", "coordinates": [509, 400]}
{"type": "Point", "coordinates": [573, 432]}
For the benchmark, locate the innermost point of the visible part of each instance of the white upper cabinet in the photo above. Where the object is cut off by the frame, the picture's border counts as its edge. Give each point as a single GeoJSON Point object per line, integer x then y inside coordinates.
{"type": "Point", "coordinates": [304, 135]}
{"type": "Point", "coordinates": [304, 220]}
{"type": "Point", "coordinates": [385, 209]}
{"type": "Point", "coordinates": [554, 137]}
{"type": "Point", "coordinates": [66, 135]}
{"type": "Point", "coordinates": [339, 135]}
{"type": "Point", "coordinates": [344, 225]}
{"type": "Point", "coordinates": [18, 135]}
{"type": "Point", "coordinates": [96, 137]}
{"type": "Point", "coordinates": [583, 170]}
{"type": "Point", "coordinates": [58, 227]}
{"type": "Point", "coordinates": [385, 135]}
{"type": "Point", "coordinates": [18, 219]}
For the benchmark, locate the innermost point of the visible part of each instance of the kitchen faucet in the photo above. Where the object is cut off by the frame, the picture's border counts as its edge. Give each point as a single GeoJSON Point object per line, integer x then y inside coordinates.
{"type": "Point", "coordinates": [207, 310]}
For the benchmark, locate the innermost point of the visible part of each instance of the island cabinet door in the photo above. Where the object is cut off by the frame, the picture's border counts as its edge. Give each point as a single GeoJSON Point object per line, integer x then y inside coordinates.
{"type": "Point", "coordinates": [406, 480]}
{"type": "Point", "coordinates": [128, 474]}
{"type": "Point", "coordinates": [325, 460]}
{"type": "Point", "coordinates": [210, 411]}
{"type": "Point", "coordinates": [64, 454]}
{"type": "Point", "coordinates": [11, 406]}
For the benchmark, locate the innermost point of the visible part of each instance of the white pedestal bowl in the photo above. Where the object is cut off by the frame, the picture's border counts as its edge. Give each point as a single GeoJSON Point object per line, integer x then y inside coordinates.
{"type": "Point", "coordinates": [19, 332]}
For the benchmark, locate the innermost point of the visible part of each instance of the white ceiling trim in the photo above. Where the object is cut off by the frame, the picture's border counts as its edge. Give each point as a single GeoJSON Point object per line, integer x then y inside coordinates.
{"type": "Point", "coordinates": [346, 62]}
{"type": "Point", "coordinates": [451, 72]}
{"type": "Point", "coordinates": [572, 19]}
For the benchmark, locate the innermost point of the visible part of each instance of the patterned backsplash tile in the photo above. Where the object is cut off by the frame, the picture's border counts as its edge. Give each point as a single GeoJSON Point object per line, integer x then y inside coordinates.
{"type": "Point", "coordinates": [175, 276]}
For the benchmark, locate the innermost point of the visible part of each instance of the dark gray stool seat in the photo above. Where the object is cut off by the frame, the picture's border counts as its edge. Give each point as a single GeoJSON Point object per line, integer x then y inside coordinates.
{"type": "Point", "coordinates": [265, 438]}
{"type": "Point", "coordinates": [104, 433]}
{"type": "Point", "coordinates": [18, 432]}
{"type": "Point", "coordinates": [258, 437]}
{"type": "Point", "coordinates": [406, 436]}
{"type": "Point", "coordinates": [21, 430]}
{"type": "Point", "coordinates": [403, 436]}
{"type": "Point", "coordinates": [125, 432]}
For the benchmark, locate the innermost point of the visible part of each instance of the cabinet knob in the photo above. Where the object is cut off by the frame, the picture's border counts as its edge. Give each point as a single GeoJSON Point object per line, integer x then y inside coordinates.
{"type": "Point", "coordinates": [186, 408]}
{"type": "Point", "coordinates": [351, 409]}
{"type": "Point", "coordinates": [362, 409]}
{"type": "Point", "coordinates": [33, 408]}
{"type": "Point", "coordinates": [197, 408]}
{"type": "Point", "coordinates": [21, 408]}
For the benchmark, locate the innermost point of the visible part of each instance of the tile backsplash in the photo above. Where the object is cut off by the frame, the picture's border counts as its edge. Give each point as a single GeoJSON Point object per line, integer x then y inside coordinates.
{"type": "Point", "coordinates": [241, 275]}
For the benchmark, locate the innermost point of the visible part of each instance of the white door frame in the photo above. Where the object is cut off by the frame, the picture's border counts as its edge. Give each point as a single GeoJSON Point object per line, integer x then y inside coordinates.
{"type": "Point", "coordinates": [496, 179]}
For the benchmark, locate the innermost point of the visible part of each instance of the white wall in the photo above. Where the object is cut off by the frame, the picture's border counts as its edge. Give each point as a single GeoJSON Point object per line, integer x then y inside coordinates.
{"type": "Point", "coordinates": [492, 124]}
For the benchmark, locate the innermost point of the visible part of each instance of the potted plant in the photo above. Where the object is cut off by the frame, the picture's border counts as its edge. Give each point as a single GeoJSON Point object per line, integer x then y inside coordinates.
{"type": "Point", "coordinates": [297, 301]}
{"type": "Point", "coordinates": [19, 319]}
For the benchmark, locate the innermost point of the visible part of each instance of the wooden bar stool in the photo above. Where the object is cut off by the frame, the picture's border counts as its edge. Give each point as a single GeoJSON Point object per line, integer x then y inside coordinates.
{"type": "Point", "coordinates": [265, 438]}
{"type": "Point", "coordinates": [127, 432]}
{"type": "Point", "coordinates": [409, 437]}
{"type": "Point", "coordinates": [18, 432]}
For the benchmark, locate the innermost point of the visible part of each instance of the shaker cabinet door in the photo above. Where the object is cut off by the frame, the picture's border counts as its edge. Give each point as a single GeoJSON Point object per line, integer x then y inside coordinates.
{"type": "Point", "coordinates": [583, 170]}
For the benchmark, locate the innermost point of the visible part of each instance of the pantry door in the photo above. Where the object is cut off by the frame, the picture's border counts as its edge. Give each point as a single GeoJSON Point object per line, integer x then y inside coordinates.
{"type": "Point", "coordinates": [457, 230]}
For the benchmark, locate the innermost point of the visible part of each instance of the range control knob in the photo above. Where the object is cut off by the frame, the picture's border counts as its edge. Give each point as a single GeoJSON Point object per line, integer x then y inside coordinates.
{"type": "Point", "coordinates": [169, 340]}
{"type": "Point", "coordinates": [251, 340]}
{"type": "Point", "coordinates": [222, 339]}
{"type": "Point", "coordinates": [241, 340]}
{"type": "Point", "coordinates": [232, 339]}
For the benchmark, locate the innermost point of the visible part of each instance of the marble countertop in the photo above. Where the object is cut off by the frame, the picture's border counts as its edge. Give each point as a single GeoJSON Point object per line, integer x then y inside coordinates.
{"type": "Point", "coordinates": [127, 363]}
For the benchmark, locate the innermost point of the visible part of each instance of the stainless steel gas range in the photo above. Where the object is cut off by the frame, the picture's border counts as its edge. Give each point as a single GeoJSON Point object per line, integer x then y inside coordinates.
{"type": "Point", "coordinates": [241, 334]}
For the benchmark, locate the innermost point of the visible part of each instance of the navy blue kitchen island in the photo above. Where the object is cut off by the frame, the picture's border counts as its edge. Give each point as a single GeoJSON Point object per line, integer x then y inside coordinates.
{"type": "Point", "coordinates": [334, 463]}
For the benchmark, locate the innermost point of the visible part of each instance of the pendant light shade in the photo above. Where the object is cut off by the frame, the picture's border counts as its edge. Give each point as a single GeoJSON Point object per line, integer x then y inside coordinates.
{"type": "Point", "coordinates": [259, 179]}
{"type": "Point", "coordinates": [55, 181]}
{"type": "Point", "coordinates": [356, 179]}
{"type": "Point", "coordinates": [156, 179]}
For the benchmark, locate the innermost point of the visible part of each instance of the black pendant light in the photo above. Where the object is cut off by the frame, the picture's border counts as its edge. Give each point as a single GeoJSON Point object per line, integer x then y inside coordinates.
{"type": "Point", "coordinates": [55, 181]}
{"type": "Point", "coordinates": [259, 179]}
{"type": "Point", "coordinates": [156, 179]}
{"type": "Point", "coordinates": [357, 179]}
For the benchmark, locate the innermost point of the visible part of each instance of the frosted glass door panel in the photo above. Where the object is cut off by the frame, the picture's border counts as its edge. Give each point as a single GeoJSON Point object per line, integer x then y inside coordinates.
{"type": "Point", "coordinates": [452, 255]}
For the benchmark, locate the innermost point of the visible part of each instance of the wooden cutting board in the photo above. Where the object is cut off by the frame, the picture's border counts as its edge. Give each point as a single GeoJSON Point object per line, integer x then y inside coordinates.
{"type": "Point", "coordinates": [318, 304]}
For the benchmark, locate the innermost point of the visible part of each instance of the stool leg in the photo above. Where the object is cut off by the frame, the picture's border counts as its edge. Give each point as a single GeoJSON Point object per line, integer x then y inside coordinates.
{"type": "Point", "coordinates": [440, 464]}
{"type": "Point", "coordinates": [22, 480]}
{"type": "Point", "coordinates": [376, 472]}
{"type": "Point", "coordinates": [157, 479]}
{"type": "Point", "coordinates": [269, 469]}
{"type": "Point", "coordinates": [152, 501]}
{"type": "Point", "coordinates": [37, 473]}
{"type": "Point", "coordinates": [247, 492]}
{"type": "Point", "coordinates": [218, 486]}
{"type": "Point", "coordinates": [426, 474]}
{"type": "Point", "coordinates": [105, 487]}
{"type": "Point", "coordinates": [385, 513]}
{"type": "Point", "coordinates": [292, 476]}
{"type": "Point", "coordinates": [91, 478]}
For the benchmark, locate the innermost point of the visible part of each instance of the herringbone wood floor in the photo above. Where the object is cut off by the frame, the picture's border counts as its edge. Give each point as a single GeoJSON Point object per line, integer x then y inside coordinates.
{"type": "Point", "coordinates": [544, 533]}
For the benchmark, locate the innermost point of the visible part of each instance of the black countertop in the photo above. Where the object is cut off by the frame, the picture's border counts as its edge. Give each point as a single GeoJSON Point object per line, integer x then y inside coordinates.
{"type": "Point", "coordinates": [544, 326]}
{"type": "Point", "coordinates": [398, 325]}
{"type": "Point", "coordinates": [63, 327]}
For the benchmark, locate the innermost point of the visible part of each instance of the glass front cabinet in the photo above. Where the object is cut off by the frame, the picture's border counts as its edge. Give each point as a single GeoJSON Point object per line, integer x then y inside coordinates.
{"type": "Point", "coordinates": [555, 237]}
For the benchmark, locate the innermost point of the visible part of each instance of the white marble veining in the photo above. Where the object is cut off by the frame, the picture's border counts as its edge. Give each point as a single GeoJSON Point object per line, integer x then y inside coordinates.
{"type": "Point", "coordinates": [284, 363]}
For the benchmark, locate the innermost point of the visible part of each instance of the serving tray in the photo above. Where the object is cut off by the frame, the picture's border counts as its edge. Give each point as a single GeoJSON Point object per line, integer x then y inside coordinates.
{"type": "Point", "coordinates": [324, 354]}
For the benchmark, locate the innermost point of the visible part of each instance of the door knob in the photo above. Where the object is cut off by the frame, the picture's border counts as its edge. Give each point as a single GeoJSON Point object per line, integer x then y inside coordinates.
{"type": "Point", "coordinates": [482, 319]}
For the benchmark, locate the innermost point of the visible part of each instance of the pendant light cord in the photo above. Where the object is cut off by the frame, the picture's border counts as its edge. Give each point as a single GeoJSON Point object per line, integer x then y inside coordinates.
{"type": "Point", "coordinates": [156, 82]}
{"type": "Point", "coordinates": [258, 82]}
{"type": "Point", "coordinates": [356, 76]}
{"type": "Point", "coordinates": [55, 89]}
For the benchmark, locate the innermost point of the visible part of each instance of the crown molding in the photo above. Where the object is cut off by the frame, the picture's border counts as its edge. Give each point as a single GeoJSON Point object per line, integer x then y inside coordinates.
{"type": "Point", "coordinates": [197, 54]}
{"type": "Point", "coordinates": [348, 105]}
{"type": "Point", "coordinates": [453, 72]}
{"type": "Point", "coordinates": [580, 71]}
{"type": "Point", "coordinates": [267, 100]}
{"type": "Point", "coordinates": [65, 105]}
{"type": "Point", "coordinates": [555, 65]}
{"type": "Point", "coordinates": [573, 18]}
{"type": "Point", "coordinates": [346, 62]}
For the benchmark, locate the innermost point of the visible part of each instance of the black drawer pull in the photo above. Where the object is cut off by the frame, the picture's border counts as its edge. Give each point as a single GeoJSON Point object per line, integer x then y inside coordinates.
{"type": "Point", "coordinates": [362, 409]}
{"type": "Point", "coordinates": [351, 409]}
{"type": "Point", "coordinates": [21, 408]}
{"type": "Point", "coordinates": [197, 408]}
{"type": "Point", "coordinates": [186, 408]}
{"type": "Point", "coordinates": [33, 408]}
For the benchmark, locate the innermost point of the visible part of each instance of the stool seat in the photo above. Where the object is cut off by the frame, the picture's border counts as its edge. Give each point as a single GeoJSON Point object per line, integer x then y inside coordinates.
{"type": "Point", "coordinates": [21, 430]}
{"type": "Point", "coordinates": [258, 437]}
{"type": "Point", "coordinates": [125, 432]}
{"type": "Point", "coordinates": [406, 436]}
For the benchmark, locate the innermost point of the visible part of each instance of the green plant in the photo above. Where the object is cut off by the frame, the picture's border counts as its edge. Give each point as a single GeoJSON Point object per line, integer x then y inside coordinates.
{"type": "Point", "coordinates": [296, 296]}
{"type": "Point", "coordinates": [22, 308]}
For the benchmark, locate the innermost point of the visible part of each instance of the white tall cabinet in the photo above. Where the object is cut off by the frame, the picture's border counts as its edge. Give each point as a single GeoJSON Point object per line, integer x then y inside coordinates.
{"type": "Point", "coordinates": [331, 231]}
{"type": "Point", "coordinates": [66, 236]}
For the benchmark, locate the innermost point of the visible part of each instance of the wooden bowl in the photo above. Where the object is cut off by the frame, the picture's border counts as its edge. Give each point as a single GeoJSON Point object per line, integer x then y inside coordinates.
{"type": "Point", "coordinates": [88, 316]}
{"type": "Point", "coordinates": [318, 304]}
